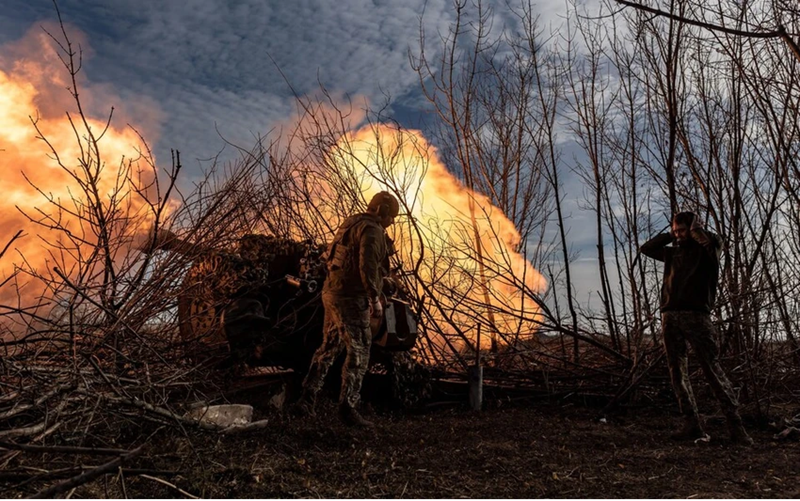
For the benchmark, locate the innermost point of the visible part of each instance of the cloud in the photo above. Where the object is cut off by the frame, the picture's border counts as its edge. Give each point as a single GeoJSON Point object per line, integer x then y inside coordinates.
{"type": "Point", "coordinates": [208, 62]}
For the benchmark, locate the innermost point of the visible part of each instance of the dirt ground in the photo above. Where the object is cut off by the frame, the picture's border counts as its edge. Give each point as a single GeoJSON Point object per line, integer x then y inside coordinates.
{"type": "Point", "coordinates": [551, 450]}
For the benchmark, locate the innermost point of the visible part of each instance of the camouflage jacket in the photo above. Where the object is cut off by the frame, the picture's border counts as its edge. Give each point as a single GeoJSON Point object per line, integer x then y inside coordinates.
{"type": "Point", "coordinates": [691, 270]}
{"type": "Point", "coordinates": [358, 257]}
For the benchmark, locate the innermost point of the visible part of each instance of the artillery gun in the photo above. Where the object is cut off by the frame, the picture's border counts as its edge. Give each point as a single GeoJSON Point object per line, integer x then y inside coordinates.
{"type": "Point", "coordinates": [260, 305]}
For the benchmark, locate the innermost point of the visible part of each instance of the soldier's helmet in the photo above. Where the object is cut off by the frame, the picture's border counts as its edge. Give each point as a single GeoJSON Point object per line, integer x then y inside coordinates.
{"type": "Point", "coordinates": [384, 204]}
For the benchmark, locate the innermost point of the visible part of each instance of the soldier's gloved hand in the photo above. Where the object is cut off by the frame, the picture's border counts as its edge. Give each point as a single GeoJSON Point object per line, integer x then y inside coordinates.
{"type": "Point", "coordinates": [389, 286]}
{"type": "Point", "coordinates": [696, 224]}
{"type": "Point", "coordinates": [375, 308]}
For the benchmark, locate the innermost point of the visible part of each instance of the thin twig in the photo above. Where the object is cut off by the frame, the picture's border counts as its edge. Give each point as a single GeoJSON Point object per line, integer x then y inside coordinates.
{"type": "Point", "coordinates": [56, 449]}
{"type": "Point", "coordinates": [708, 26]}
{"type": "Point", "coordinates": [86, 477]}
{"type": "Point", "coordinates": [173, 486]}
{"type": "Point", "coordinates": [16, 236]}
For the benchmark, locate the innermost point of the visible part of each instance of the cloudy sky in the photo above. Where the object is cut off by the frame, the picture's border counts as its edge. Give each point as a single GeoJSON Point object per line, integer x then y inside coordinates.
{"type": "Point", "coordinates": [207, 65]}
{"type": "Point", "coordinates": [187, 71]}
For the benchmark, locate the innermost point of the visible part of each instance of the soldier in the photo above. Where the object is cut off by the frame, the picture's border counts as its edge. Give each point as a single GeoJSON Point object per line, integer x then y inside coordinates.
{"type": "Point", "coordinates": [356, 269]}
{"type": "Point", "coordinates": [691, 270]}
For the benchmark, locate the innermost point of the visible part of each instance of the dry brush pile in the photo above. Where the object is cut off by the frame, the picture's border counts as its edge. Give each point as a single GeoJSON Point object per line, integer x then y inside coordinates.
{"type": "Point", "coordinates": [96, 349]}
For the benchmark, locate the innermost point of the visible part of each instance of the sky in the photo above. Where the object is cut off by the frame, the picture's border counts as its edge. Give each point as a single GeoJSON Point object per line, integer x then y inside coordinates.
{"type": "Point", "coordinates": [192, 75]}
{"type": "Point", "coordinates": [214, 67]}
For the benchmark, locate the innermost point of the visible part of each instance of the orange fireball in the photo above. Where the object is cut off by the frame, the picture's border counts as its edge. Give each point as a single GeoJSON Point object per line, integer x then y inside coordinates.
{"type": "Point", "coordinates": [466, 245]}
{"type": "Point", "coordinates": [46, 158]}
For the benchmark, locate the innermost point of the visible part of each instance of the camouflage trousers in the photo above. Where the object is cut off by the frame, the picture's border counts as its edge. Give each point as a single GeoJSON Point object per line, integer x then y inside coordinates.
{"type": "Point", "coordinates": [678, 328]}
{"type": "Point", "coordinates": [346, 327]}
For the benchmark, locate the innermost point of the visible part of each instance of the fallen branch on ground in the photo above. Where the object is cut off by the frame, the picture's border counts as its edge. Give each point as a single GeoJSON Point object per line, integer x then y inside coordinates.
{"type": "Point", "coordinates": [62, 449]}
{"type": "Point", "coordinates": [90, 475]}
{"type": "Point", "coordinates": [173, 486]}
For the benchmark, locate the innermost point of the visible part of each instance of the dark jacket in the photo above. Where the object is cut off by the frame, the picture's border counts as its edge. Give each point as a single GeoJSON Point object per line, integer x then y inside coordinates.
{"type": "Point", "coordinates": [357, 257]}
{"type": "Point", "coordinates": [691, 270]}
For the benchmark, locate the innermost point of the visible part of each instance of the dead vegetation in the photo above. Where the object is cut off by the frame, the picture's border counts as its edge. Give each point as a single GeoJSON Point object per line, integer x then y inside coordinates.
{"type": "Point", "coordinates": [95, 380]}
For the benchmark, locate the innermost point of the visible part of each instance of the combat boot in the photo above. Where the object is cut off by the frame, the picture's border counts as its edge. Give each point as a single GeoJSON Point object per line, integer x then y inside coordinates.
{"type": "Point", "coordinates": [351, 417]}
{"type": "Point", "coordinates": [305, 406]}
{"type": "Point", "coordinates": [738, 433]}
{"type": "Point", "coordinates": [691, 430]}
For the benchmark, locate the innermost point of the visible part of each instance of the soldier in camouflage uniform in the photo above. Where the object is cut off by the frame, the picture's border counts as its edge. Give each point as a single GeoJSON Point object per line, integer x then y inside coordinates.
{"type": "Point", "coordinates": [691, 270]}
{"type": "Point", "coordinates": [356, 268]}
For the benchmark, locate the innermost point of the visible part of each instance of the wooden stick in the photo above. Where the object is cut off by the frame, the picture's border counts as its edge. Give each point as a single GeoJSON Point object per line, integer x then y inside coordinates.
{"type": "Point", "coordinates": [16, 236]}
{"type": "Point", "coordinates": [122, 482]}
{"type": "Point", "coordinates": [86, 477]}
{"type": "Point", "coordinates": [30, 430]}
{"type": "Point", "coordinates": [42, 425]}
{"type": "Point", "coordinates": [11, 455]}
{"type": "Point", "coordinates": [42, 475]}
{"type": "Point", "coordinates": [62, 449]}
{"type": "Point", "coordinates": [164, 482]}
{"type": "Point", "coordinates": [28, 476]}
{"type": "Point", "coordinates": [17, 409]}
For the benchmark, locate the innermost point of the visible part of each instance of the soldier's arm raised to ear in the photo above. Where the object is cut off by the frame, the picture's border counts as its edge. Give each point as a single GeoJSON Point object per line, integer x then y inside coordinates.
{"type": "Point", "coordinates": [372, 249]}
{"type": "Point", "coordinates": [711, 242]}
{"type": "Point", "coordinates": [656, 246]}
